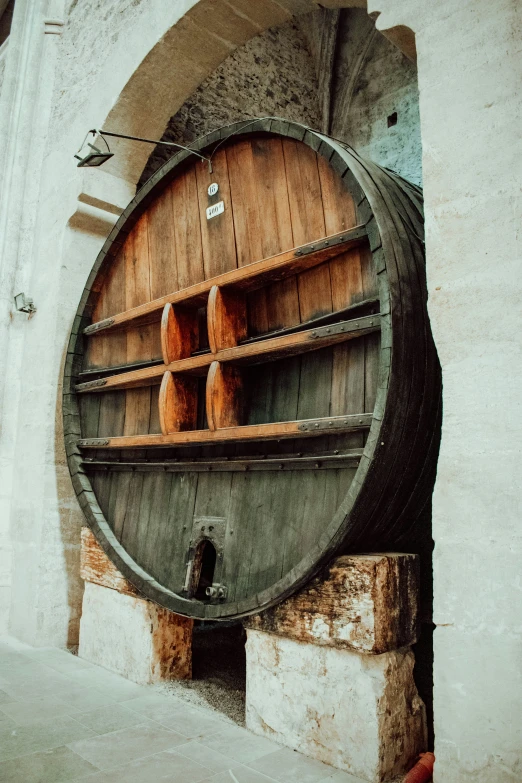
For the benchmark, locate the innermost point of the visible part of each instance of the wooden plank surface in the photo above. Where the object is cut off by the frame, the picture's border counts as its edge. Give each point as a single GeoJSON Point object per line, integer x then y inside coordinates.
{"type": "Point", "coordinates": [348, 360]}
{"type": "Point", "coordinates": [162, 246]}
{"type": "Point", "coordinates": [217, 233]}
{"type": "Point", "coordinates": [255, 352]}
{"type": "Point", "coordinates": [253, 432]}
{"type": "Point", "coordinates": [247, 278]}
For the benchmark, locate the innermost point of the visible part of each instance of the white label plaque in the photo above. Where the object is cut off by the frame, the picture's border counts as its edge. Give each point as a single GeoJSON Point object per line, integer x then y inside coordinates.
{"type": "Point", "coordinates": [215, 209]}
{"type": "Point", "coordinates": [213, 189]}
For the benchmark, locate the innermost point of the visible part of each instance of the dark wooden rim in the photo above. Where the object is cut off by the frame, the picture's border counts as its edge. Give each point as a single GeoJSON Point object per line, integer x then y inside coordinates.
{"type": "Point", "coordinates": [401, 447]}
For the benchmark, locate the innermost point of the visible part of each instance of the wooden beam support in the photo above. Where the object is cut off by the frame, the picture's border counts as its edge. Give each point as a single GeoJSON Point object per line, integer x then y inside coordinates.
{"type": "Point", "coordinates": [246, 278]}
{"type": "Point", "coordinates": [249, 353]}
{"type": "Point", "coordinates": [286, 429]}
{"type": "Point", "coordinates": [349, 459]}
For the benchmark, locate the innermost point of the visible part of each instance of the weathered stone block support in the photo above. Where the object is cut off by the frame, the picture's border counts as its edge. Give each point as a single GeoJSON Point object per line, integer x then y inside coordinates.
{"type": "Point", "coordinates": [124, 632]}
{"type": "Point", "coordinates": [330, 670]}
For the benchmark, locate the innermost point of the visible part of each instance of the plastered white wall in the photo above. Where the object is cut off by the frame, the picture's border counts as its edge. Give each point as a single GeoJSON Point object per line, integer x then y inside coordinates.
{"type": "Point", "coordinates": [470, 66]}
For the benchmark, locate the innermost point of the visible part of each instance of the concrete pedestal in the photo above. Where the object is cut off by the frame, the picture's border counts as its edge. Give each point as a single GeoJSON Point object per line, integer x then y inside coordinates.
{"type": "Point", "coordinates": [124, 632]}
{"type": "Point", "coordinates": [330, 670]}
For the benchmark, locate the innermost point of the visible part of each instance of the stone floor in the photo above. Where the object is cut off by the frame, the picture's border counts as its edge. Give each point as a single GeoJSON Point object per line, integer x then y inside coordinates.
{"type": "Point", "coordinates": [63, 720]}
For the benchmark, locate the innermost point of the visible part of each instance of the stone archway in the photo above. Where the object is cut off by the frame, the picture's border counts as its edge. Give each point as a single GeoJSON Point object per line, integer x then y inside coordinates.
{"type": "Point", "coordinates": [197, 40]}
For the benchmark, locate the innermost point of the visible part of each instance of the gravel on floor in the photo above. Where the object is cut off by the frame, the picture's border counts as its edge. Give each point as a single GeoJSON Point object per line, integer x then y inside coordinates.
{"type": "Point", "coordinates": [218, 671]}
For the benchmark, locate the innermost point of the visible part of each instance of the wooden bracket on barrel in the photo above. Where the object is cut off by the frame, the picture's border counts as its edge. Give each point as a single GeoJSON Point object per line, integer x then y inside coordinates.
{"type": "Point", "coordinates": [179, 332]}
{"type": "Point", "coordinates": [178, 403]}
{"type": "Point", "coordinates": [225, 396]}
{"type": "Point", "coordinates": [226, 318]}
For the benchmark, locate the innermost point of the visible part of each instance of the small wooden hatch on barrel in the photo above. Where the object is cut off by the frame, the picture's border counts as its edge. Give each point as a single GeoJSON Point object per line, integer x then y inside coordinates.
{"type": "Point", "coordinates": [251, 384]}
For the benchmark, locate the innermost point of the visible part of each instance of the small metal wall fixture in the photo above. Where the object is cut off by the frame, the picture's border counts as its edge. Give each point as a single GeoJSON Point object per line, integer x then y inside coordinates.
{"type": "Point", "coordinates": [24, 304]}
{"type": "Point", "coordinates": [217, 591]}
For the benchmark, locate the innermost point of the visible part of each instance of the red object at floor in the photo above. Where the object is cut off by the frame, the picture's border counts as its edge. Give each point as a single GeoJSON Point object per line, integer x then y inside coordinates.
{"type": "Point", "coordinates": [423, 769]}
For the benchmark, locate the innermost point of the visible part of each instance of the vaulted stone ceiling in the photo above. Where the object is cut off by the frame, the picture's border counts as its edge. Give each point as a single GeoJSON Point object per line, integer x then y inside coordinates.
{"type": "Point", "coordinates": [330, 70]}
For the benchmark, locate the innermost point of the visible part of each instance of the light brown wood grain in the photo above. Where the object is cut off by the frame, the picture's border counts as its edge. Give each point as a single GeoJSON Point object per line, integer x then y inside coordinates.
{"type": "Point", "coordinates": [162, 245]}
{"type": "Point", "coordinates": [306, 207]}
{"type": "Point", "coordinates": [286, 429]}
{"type": "Point", "coordinates": [217, 234]}
{"type": "Point", "coordinates": [249, 277]}
{"type": "Point", "coordinates": [187, 230]}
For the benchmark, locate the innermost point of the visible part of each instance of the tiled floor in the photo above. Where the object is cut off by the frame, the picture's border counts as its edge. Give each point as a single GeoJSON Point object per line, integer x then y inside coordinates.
{"type": "Point", "coordinates": [63, 720]}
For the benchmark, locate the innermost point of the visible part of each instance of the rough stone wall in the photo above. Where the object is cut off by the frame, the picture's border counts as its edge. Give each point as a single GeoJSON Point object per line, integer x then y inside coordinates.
{"type": "Point", "coordinates": [278, 73]}
{"type": "Point", "coordinates": [271, 75]}
{"type": "Point", "coordinates": [374, 80]}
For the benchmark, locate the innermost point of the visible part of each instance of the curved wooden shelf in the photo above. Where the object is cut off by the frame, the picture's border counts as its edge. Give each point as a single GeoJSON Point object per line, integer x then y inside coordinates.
{"type": "Point", "coordinates": [226, 318]}
{"type": "Point", "coordinates": [179, 333]}
{"type": "Point", "coordinates": [178, 403]}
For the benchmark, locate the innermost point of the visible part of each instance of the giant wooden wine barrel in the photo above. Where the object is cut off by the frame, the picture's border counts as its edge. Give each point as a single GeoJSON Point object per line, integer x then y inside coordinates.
{"type": "Point", "coordinates": [251, 384]}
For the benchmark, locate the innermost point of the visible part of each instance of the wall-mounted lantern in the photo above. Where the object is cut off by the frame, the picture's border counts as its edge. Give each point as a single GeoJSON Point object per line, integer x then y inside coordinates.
{"type": "Point", "coordinates": [98, 158]}
{"type": "Point", "coordinates": [94, 158]}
